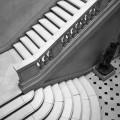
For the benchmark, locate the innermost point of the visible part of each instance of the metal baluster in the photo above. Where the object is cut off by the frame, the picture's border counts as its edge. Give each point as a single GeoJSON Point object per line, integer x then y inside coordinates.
{"type": "Point", "coordinates": [46, 58]}
{"type": "Point", "coordinates": [69, 35]}
{"type": "Point", "coordinates": [41, 64]}
{"type": "Point", "coordinates": [74, 30]}
{"type": "Point", "coordinates": [83, 21]}
{"type": "Point", "coordinates": [50, 55]}
{"type": "Point", "coordinates": [38, 64]}
{"type": "Point", "coordinates": [65, 40]}
{"type": "Point", "coordinates": [88, 16]}
{"type": "Point", "coordinates": [97, 8]}
{"type": "Point", "coordinates": [79, 27]}
{"type": "Point", "coordinates": [93, 12]}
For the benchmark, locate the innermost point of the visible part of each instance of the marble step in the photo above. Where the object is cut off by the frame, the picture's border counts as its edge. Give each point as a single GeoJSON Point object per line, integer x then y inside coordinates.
{"type": "Point", "coordinates": [55, 19]}
{"type": "Point", "coordinates": [15, 104]}
{"type": "Point", "coordinates": [68, 7]}
{"type": "Point", "coordinates": [29, 44]}
{"type": "Point", "coordinates": [22, 50]}
{"type": "Point", "coordinates": [31, 107]}
{"type": "Point", "coordinates": [60, 12]}
{"type": "Point", "coordinates": [48, 25]}
{"type": "Point", "coordinates": [78, 3]}
{"type": "Point", "coordinates": [35, 38]}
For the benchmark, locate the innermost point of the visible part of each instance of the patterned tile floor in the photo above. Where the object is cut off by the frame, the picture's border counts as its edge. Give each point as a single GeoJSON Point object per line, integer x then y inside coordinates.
{"type": "Point", "coordinates": [108, 92]}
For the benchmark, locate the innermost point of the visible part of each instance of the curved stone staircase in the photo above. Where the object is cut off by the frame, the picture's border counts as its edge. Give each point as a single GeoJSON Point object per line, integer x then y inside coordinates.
{"type": "Point", "coordinates": [71, 100]}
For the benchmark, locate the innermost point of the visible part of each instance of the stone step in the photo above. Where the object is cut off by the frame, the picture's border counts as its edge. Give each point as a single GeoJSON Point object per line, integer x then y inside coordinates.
{"type": "Point", "coordinates": [35, 38]}
{"type": "Point", "coordinates": [34, 105]}
{"type": "Point", "coordinates": [55, 19]}
{"type": "Point", "coordinates": [68, 7]}
{"type": "Point", "coordinates": [48, 25]}
{"type": "Point", "coordinates": [15, 104]}
{"type": "Point", "coordinates": [29, 44]}
{"type": "Point", "coordinates": [22, 50]}
{"type": "Point", "coordinates": [60, 12]}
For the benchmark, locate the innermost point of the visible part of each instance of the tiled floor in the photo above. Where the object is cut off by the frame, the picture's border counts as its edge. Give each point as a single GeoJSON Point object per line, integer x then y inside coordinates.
{"type": "Point", "coordinates": [8, 76]}
{"type": "Point", "coordinates": [108, 92]}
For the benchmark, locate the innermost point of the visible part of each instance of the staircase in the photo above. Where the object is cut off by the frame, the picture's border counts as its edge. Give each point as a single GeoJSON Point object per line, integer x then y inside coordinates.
{"type": "Point", "coordinates": [54, 36]}
{"type": "Point", "coordinates": [71, 100]}
{"type": "Point", "coordinates": [28, 62]}
{"type": "Point", "coordinates": [81, 98]}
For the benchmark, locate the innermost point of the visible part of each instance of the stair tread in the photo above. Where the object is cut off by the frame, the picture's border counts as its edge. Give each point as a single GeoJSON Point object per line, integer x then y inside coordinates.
{"type": "Point", "coordinates": [48, 25]}
{"type": "Point", "coordinates": [68, 7]}
{"type": "Point", "coordinates": [42, 32]}
{"type": "Point", "coordinates": [49, 98]}
{"type": "Point", "coordinates": [72, 88]}
{"type": "Point", "coordinates": [78, 3]}
{"type": "Point", "coordinates": [58, 105]}
{"type": "Point", "coordinates": [10, 107]}
{"type": "Point", "coordinates": [30, 118]}
{"type": "Point", "coordinates": [66, 16]}
{"type": "Point", "coordinates": [36, 38]}
{"type": "Point", "coordinates": [56, 111]}
{"type": "Point", "coordinates": [84, 100]}
{"type": "Point", "coordinates": [77, 109]}
{"type": "Point", "coordinates": [47, 105]}
{"type": "Point", "coordinates": [22, 50]}
{"type": "Point", "coordinates": [15, 55]}
{"type": "Point", "coordinates": [43, 111]}
{"type": "Point", "coordinates": [59, 22]}
{"type": "Point", "coordinates": [65, 91]}
{"type": "Point", "coordinates": [11, 94]}
{"type": "Point", "coordinates": [22, 112]}
{"type": "Point", "coordinates": [15, 104]}
{"type": "Point", "coordinates": [62, 118]}
{"type": "Point", "coordinates": [94, 103]}
{"type": "Point", "coordinates": [86, 113]}
{"type": "Point", "coordinates": [81, 89]}
{"type": "Point", "coordinates": [95, 108]}
{"type": "Point", "coordinates": [29, 44]}
{"type": "Point", "coordinates": [57, 93]}
{"type": "Point", "coordinates": [89, 89]}
{"type": "Point", "coordinates": [29, 108]}
{"type": "Point", "coordinates": [68, 108]}
{"type": "Point", "coordinates": [28, 97]}
{"type": "Point", "coordinates": [38, 99]}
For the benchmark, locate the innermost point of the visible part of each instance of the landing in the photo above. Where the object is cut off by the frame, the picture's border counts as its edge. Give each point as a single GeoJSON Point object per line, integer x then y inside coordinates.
{"type": "Point", "coordinates": [8, 76]}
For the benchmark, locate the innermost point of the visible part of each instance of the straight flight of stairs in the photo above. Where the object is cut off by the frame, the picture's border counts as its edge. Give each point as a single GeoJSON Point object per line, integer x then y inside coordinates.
{"type": "Point", "coordinates": [36, 38]}
{"type": "Point", "coordinates": [49, 29]}
{"type": "Point", "coordinates": [71, 100]}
